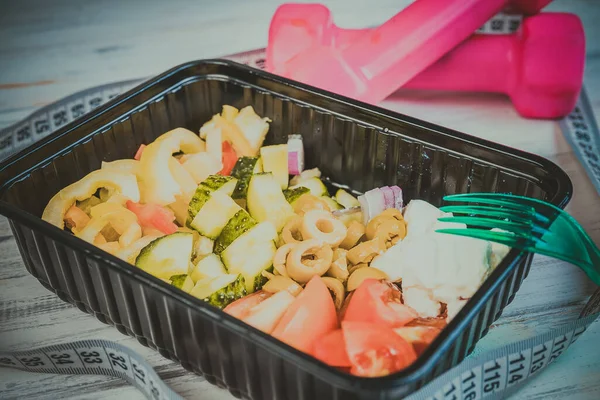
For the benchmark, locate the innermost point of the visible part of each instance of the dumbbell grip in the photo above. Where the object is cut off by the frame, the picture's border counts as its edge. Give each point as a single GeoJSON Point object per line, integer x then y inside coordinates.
{"type": "Point", "coordinates": [428, 28]}
{"type": "Point", "coordinates": [479, 64]}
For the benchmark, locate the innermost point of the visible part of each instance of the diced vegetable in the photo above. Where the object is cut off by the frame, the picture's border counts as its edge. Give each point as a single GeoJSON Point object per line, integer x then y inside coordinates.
{"type": "Point", "coordinates": [419, 336]}
{"type": "Point", "coordinates": [154, 216]}
{"type": "Point", "coordinates": [375, 350]}
{"type": "Point", "coordinates": [138, 153]}
{"type": "Point", "coordinates": [87, 204]}
{"type": "Point", "coordinates": [201, 165]}
{"type": "Point", "coordinates": [291, 195]}
{"type": "Point", "coordinates": [167, 256]}
{"type": "Point", "coordinates": [129, 253]}
{"type": "Point", "coordinates": [295, 154]}
{"type": "Point", "coordinates": [177, 280]}
{"type": "Point", "coordinates": [304, 175]}
{"type": "Point", "coordinates": [311, 316]}
{"type": "Point", "coordinates": [160, 186]}
{"type": "Point", "coordinates": [76, 218]}
{"type": "Point", "coordinates": [315, 185]}
{"type": "Point", "coordinates": [346, 199]}
{"type": "Point", "coordinates": [188, 284]}
{"type": "Point", "coordinates": [84, 188]}
{"type": "Point", "coordinates": [203, 246]}
{"type": "Point", "coordinates": [333, 205]}
{"type": "Point", "coordinates": [232, 133]}
{"type": "Point", "coordinates": [378, 303]}
{"type": "Point", "coordinates": [214, 183]}
{"type": "Point", "coordinates": [243, 170]}
{"type": "Point", "coordinates": [103, 214]}
{"type": "Point", "coordinates": [237, 225]}
{"type": "Point", "coordinates": [398, 199]}
{"type": "Point", "coordinates": [130, 235]}
{"type": "Point", "coordinates": [331, 349]}
{"type": "Point", "coordinates": [180, 209]}
{"type": "Point", "coordinates": [242, 308]}
{"type": "Point", "coordinates": [214, 144]}
{"type": "Point", "coordinates": [214, 215]}
{"type": "Point", "coordinates": [207, 267]}
{"type": "Point", "coordinates": [266, 314]}
{"type": "Point", "coordinates": [275, 160]}
{"type": "Point", "coordinates": [183, 178]}
{"type": "Point", "coordinates": [372, 204]}
{"type": "Point", "coordinates": [266, 201]}
{"type": "Point", "coordinates": [251, 253]}
{"type": "Point", "coordinates": [221, 290]}
{"type": "Point", "coordinates": [253, 127]}
{"type": "Point", "coordinates": [229, 158]}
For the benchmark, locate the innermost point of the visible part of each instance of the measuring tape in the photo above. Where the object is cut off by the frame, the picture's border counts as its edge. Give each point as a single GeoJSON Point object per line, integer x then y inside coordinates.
{"type": "Point", "coordinates": [492, 375]}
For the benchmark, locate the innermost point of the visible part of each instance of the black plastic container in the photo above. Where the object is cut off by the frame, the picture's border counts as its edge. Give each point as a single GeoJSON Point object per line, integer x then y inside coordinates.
{"type": "Point", "coordinates": [354, 144]}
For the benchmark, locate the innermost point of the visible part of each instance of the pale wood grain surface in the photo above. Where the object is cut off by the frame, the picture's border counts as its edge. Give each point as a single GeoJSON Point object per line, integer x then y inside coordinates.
{"type": "Point", "coordinates": [51, 49]}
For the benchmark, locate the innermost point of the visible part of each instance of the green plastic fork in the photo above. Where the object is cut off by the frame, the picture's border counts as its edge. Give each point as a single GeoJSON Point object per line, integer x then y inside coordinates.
{"type": "Point", "coordinates": [525, 223]}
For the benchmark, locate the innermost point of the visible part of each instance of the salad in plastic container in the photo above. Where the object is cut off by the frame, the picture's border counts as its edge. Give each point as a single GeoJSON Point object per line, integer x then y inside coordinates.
{"type": "Point", "coordinates": [362, 283]}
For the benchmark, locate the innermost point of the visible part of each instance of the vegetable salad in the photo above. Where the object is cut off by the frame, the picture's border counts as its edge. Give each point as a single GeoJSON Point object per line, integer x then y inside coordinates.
{"type": "Point", "coordinates": [216, 215]}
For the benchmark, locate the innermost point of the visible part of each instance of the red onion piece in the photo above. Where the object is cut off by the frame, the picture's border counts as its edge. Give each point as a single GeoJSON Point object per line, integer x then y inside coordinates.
{"type": "Point", "coordinates": [398, 201]}
{"type": "Point", "coordinates": [372, 204]}
{"type": "Point", "coordinates": [388, 196]}
{"type": "Point", "coordinates": [295, 154]}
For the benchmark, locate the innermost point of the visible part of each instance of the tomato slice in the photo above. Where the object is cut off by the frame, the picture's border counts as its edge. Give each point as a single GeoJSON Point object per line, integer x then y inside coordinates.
{"type": "Point", "coordinates": [331, 349]}
{"type": "Point", "coordinates": [229, 158]}
{"type": "Point", "coordinates": [138, 153]}
{"type": "Point", "coordinates": [154, 216]}
{"type": "Point", "coordinates": [378, 302]}
{"type": "Point", "coordinates": [311, 316]}
{"type": "Point", "coordinates": [375, 350]}
{"type": "Point", "coordinates": [419, 336]}
{"type": "Point", "coordinates": [265, 315]}
{"type": "Point", "coordinates": [241, 307]}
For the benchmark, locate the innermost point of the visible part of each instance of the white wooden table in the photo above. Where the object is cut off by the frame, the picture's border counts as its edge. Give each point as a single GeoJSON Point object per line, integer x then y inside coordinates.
{"type": "Point", "coordinates": [51, 49]}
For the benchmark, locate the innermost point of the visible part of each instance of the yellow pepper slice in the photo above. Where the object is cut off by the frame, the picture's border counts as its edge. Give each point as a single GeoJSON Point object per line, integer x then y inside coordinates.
{"type": "Point", "coordinates": [160, 184]}
{"type": "Point", "coordinates": [126, 184]}
{"type": "Point", "coordinates": [118, 216]}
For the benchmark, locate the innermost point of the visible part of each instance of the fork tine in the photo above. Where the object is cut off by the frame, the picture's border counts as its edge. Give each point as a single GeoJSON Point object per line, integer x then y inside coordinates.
{"type": "Point", "coordinates": [508, 204]}
{"type": "Point", "coordinates": [517, 228]}
{"type": "Point", "coordinates": [521, 216]}
{"type": "Point", "coordinates": [512, 198]}
{"type": "Point", "coordinates": [530, 201]}
{"type": "Point", "coordinates": [506, 238]}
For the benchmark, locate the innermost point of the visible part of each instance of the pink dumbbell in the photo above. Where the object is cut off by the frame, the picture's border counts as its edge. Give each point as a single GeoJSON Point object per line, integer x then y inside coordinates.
{"type": "Point", "coordinates": [540, 67]}
{"type": "Point", "coordinates": [382, 60]}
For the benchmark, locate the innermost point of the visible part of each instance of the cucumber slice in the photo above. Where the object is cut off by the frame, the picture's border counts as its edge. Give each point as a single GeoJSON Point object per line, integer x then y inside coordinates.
{"type": "Point", "coordinates": [275, 160]}
{"type": "Point", "coordinates": [346, 199]}
{"type": "Point", "coordinates": [266, 201]}
{"type": "Point", "coordinates": [167, 256]}
{"type": "Point", "coordinates": [221, 290]}
{"type": "Point", "coordinates": [209, 266]}
{"type": "Point", "coordinates": [252, 253]}
{"type": "Point", "coordinates": [242, 171]}
{"type": "Point", "coordinates": [177, 280]}
{"type": "Point", "coordinates": [291, 195]}
{"type": "Point", "coordinates": [188, 284]}
{"type": "Point", "coordinates": [214, 183]}
{"type": "Point", "coordinates": [333, 205]}
{"type": "Point", "coordinates": [214, 215]}
{"type": "Point", "coordinates": [183, 282]}
{"type": "Point", "coordinates": [314, 184]}
{"type": "Point", "coordinates": [240, 223]}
